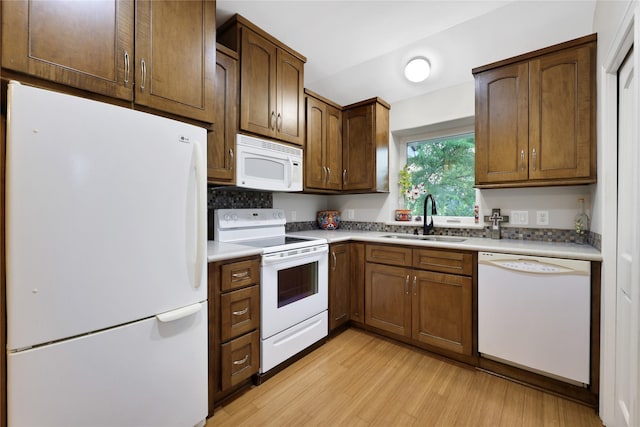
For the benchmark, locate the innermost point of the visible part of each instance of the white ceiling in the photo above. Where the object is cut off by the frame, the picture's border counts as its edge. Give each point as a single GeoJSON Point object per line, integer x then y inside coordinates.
{"type": "Point", "coordinates": [356, 49]}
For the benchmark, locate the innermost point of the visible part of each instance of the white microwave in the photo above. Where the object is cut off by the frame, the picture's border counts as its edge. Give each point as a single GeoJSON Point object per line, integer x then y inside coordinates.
{"type": "Point", "coordinates": [267, 165]}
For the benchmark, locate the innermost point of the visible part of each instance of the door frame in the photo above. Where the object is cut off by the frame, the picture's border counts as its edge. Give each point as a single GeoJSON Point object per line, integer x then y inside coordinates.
{"type": "Point", "coordinates": [628, 35]}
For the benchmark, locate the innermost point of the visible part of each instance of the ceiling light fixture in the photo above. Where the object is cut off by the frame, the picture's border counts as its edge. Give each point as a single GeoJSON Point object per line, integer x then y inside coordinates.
{"type": "Point", "coordinates": [417, 69]}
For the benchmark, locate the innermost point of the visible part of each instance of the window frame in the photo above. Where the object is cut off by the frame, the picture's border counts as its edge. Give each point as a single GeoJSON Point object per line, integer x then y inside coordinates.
{"type": "Point", "coordinates": [435, 131]}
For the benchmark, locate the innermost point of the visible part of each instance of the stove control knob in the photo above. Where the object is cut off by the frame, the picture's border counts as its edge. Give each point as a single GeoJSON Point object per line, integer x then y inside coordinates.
{"type": "Point", "coordinates": [234, 217]}
{"type": "Point", "coordinates": [280, 215]}
{"type": "Point", "coordinates": [227, 217]}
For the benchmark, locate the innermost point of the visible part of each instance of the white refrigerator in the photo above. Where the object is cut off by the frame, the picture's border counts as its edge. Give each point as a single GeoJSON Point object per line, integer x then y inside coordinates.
{"type": "Point", "coordinates": [106, 265]}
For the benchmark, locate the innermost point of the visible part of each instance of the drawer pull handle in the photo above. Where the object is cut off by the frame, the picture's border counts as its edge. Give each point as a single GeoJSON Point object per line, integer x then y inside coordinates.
{"type": "Point", "coordinates": [240, 275]}
{"type": "Point", "coordinates": [241, 312]}
{"type": "Point", "coordinates": [241, 361]}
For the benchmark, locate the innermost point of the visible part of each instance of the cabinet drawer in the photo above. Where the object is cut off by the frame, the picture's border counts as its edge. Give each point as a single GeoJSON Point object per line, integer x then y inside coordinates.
{"type": "Point", "coordinates": [393, 255]}
{"type": "Point", "coordinates": [240, 274]}
{"type": "Point", "coordinates": [455, 262]}
{"type": "Point", "coordinates": [239, 312]}
{"type": "Point", "coordinates": [240, 359]}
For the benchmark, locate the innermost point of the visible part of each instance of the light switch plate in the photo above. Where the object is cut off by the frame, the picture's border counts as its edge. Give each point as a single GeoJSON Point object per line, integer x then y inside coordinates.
{"type": "Point", "coordinates": [519, 218]}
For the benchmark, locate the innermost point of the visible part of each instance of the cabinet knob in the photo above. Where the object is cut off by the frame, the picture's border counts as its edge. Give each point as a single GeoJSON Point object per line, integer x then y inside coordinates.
{"type": "Point", "coordinates": [273, 120]}
{"type": "Point", "coordinates": [143, 67]}
{"type": "Point", "coordinates": [522, 160]}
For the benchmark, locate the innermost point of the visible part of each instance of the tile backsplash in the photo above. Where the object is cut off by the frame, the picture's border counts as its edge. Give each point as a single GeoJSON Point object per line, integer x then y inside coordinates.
{"type": "Point", "coordinates": [226, 198]}
{"type": "Point", "coordinates": [233, 198]}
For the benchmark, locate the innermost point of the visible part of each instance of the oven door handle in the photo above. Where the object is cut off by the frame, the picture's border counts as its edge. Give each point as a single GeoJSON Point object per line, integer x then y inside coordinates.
{"type": "Point", "coordinates": [278, 258]}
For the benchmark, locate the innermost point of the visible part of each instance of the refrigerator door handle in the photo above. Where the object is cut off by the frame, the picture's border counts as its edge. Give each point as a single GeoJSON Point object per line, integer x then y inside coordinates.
{"type": "Point", "coordinates": [201, 205]}
{"type": "Point", "coordinates": [182, 312]}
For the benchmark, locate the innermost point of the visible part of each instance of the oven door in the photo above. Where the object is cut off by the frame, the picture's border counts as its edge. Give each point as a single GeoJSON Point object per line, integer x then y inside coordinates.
{"type": "Point", "coordinates": [294, 287]}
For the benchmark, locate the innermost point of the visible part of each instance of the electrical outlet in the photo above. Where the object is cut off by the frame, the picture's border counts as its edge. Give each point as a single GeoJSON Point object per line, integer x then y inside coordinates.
{"type": "Point", "coordinates": [350, 214]}
{"type": "Point", "coordinates": [294, 215]}
{"type": "Point", "coordinates": [519, 218]}
{"type": "Point", "coordinates": [542, 217]}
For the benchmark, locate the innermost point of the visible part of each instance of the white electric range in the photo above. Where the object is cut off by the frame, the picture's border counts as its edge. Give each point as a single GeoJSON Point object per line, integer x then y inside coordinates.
{"type": "Point", "coordinates": [294, 290]}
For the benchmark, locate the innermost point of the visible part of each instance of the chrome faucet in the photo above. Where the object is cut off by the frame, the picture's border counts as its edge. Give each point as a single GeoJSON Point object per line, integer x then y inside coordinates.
{"type": "Point", "coordinates": [427, 227]}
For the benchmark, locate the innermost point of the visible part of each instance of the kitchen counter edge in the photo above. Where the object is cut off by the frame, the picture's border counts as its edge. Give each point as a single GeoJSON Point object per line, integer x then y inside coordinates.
{"type": "Point", "coordinates": [519, 247]}
{"type": "Point", "coordinates": [219, 251]}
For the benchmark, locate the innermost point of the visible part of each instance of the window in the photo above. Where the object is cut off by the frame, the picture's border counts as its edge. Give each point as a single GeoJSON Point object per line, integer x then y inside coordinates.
{"type": "Point", "coordinates": [446, 167]}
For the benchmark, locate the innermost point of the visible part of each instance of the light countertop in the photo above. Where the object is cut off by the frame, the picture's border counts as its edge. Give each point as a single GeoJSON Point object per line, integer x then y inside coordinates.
{"type": "Point", "coordinates": [219, 251]}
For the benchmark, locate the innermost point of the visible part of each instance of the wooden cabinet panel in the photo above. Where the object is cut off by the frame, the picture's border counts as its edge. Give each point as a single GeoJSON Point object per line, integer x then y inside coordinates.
{"type": "Point", "coordinates": [561, 119]}
{"type": "Point", "coordinates": [388, 254]}
{"type": "Point", "coordinates": [387, 298]}
{"type": "Point", "coordinates": [446, 261]}
{"type": "Point", "coordinates": [358, 161]}
{"type": "Point", "coordinates": [333, 148]}
{"type": "Point", "coordinates": [289, 98]}
{"type": "Point", "coordinates": [175, 57]}
{"type": "Point", "coordinates": [323, 145]}
{"type": "Point", "coordinates": [81, 44]}
{"type": "Point", "coordinates": [365, 147]}
{"type": "Point", "coordinates": [240, 274]}
{"type": "Point", "coordinates": [221, 142]}
{"type": "Point", "coordinates": [339, 285]}
{"type": "Point", "coordinates": [535, 118]}
{"type": "Point", "coordinates": [441, 310]}
{"type": "Point", "coordinates": [239, 312]}
{"type": "Point", "coordinates": [315, 144]}
{"type": "Point", "coordinates": [240, 359]}
{"type": "Point", "coordinates": [257, 84]}
{"type": "Point", "coordinates": [502, 124]}
{"type": "Point", "coordinates": [357, 282]}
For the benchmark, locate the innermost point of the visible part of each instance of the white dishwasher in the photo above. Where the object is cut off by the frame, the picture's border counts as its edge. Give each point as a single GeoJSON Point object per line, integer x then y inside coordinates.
{"type": "Point", "coordinates": [534, 313]}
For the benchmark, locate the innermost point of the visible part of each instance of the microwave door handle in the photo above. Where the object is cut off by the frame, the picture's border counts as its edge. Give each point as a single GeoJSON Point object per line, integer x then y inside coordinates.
{"type": "Point", "coordinates": [290, 172]}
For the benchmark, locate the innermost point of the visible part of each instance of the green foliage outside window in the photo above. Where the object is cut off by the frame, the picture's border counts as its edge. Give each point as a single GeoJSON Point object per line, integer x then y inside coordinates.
{"type": "Point", "coordinates": [446, 167]}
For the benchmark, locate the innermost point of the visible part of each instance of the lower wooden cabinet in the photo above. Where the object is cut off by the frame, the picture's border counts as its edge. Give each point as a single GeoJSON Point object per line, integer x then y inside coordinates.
{"type": "Point", "coordinates": [234, 326]}
{"type": "Point", "coordinates": [339, 285]}
{"type": "Point", "coordinates": [428, 307]}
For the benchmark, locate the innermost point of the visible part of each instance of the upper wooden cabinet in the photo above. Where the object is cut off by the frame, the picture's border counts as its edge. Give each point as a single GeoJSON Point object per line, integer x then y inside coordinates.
{"type": "Point", "coordinates": [365, 147]}
{"type": "Point", "coordinates": [158, 54]}
{"type": "Point", "coordinates": [323, 147]}
{"type": "Point", "coordinates": [221, 141]}
{"type": "Point", "coordinates": [271, 82]}
{"type": "Point", "coordinates": [175, 51]}
{"type": "Point", "coordinates": [535, 118]}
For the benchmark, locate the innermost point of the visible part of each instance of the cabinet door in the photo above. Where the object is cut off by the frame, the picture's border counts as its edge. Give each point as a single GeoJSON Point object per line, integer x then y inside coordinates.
{"type": "Point", "coordinates": [358, 149]}
{"type": "Point", "coordinates": [388, 299]}
{"type": "Point", "coordinates": [442, 310]}
{"type": "Point", "coordinates": [333, 148]}
{"type": "Point", "coordinates": [83, 44]}
{"type": "Point", "coordinates": [339, 285]}
{"type": "Point", "coordinates": [175, 57]}
{"type": "Point", "coordinates": [221, 142]}
{"type": "Point", "coordinates": [290, 98]}
{"type": "Point", "coordinates": [561, 114]}
{"type": "Point", "coordinates": [314, 167]}
{"type": "Point", "coordinates": [257, 84]}
{"type": "Point", "coordinates": [502, 124]}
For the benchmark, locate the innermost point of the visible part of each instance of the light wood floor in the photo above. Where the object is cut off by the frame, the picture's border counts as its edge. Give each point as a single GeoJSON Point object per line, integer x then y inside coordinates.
{"type": "Point", "coordinates": [358, 379]}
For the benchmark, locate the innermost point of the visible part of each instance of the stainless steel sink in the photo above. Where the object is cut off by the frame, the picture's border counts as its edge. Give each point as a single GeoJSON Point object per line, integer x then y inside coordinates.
{"type": "Point", "coordinates": [428, 238]}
